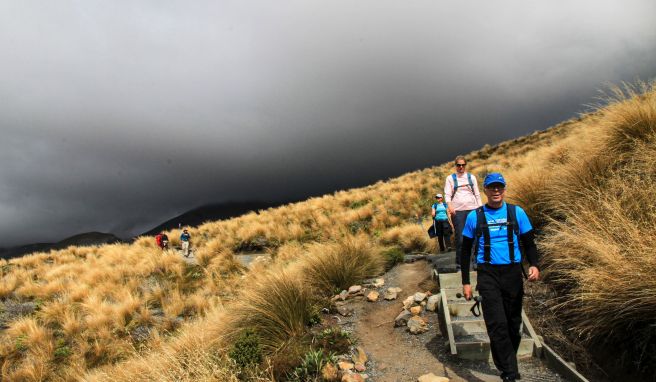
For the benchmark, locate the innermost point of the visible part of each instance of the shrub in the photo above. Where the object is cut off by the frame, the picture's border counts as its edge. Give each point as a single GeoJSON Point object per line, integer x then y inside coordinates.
{"type": "Point", "coordinates": [246, 350]}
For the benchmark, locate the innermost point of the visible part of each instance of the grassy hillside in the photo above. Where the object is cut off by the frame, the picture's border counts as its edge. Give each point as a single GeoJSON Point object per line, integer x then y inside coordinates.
{"type": "Point", "coordinates": [128, 312]}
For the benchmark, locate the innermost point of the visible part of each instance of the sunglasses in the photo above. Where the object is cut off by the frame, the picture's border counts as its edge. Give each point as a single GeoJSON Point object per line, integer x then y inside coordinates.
{"type": "Point", "coordinates": [461, 164]}
{"type": "Point", "coordinates": [496, 187]}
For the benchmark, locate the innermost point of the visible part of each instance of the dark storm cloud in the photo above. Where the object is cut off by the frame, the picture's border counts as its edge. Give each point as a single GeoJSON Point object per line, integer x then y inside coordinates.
{"type": "Point", "coordinates": [118, 114]}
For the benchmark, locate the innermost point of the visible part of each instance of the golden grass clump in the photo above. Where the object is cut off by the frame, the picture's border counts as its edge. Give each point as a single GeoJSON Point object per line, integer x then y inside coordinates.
{"type": "Point", "coordinates": [278, 305]}
{"type": "Point", "coordinates": [409, 237]}
{"type": "Point", "coordinates": [336, 266]}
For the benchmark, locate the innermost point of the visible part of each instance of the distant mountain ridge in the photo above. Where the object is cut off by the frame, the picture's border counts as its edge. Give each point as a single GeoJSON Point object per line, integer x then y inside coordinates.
{"type": "Point", "coordinates": [211, 212]}
{"type": "Point", "coordinates": [81, 240]}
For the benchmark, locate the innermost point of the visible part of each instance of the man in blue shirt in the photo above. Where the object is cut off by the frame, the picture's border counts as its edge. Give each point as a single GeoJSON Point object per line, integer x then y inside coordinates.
{"type": "Point", "coordinates": [496, 230]}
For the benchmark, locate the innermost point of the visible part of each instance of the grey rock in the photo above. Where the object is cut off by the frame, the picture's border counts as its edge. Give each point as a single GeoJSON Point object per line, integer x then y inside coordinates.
{"type": "Point", "coordinates": [419, 297]}
{"type": "Point", "coordinates": [432, 302]}
{"type": "Point", "coordinates": [402, 318]}
{"type": "Point", "coordinates": [416, 325]}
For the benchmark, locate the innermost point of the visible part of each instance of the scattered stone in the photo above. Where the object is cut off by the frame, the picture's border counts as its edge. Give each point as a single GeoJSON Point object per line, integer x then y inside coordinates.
{"type": "Point", "coordinates": [343, 365]}
{"type": "Point", "coordinates": [373, 296]}
{"type": "Point", "coordinates": [407, 303]}
{"type": "Point", "coordinates": [416, 310]}
{"type": "Point", "coordinates": [432, 303]}
{"type": "Point", "coordinates": [419, 297]}
{"type": "Point", "coordinates": [341, 296]}
{"type": "Point", "coordinates": [379, 282]}
{"type": "Point", "coordinates": [344, 311]}
{"type": "Point", "coordinates": [395, 289]}
{"type": "Point", "coordinates": [416, 325]}
{"type": "Point", "coordinates": [360, 367]}
{"type": "Point", "coordinates": [423, 303]}
{"type": "Point", "coordinates": [390, 294]}
{"type": "Point", "coordinates": [360, 356]}
{"type": "Point", "coordinates": [402, 318]}
{"type": "Point", "coordinates": [329, 373]}
{"type": "Point", "coordinates": [352, 378]}
{"type": "Point", "coordinates": [354, 289]}
{"type": "Point", "coordinates": [432, 378]}
{"type": "Point", "coordinates": [365, 376]}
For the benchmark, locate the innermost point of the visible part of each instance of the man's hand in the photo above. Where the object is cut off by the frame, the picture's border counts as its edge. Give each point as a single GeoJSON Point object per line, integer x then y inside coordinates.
{"type": "Point", "coordinates": [533, 273]}
{"type": "Point", "coordinates": [452, 212]}
{"type": "Point", "coordinates": [467, 292]}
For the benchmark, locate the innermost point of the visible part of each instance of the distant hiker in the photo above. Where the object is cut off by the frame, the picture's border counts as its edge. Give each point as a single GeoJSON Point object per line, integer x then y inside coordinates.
{"type": "Point", "coordinates": [185, 237]}
{"type": "Point", "coordinates": [462, 196]}
{"type": "Point", "coordinates": [495, 230]}
{"type": "Point", "coordinates": [441, 224]}
{"type": "Point", "coordinates": [162, 241]}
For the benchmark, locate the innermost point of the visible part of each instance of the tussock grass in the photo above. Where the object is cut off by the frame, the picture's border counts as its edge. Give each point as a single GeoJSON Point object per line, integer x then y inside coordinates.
{"type": "Point", "coordinates": [334, 267]}
{"type": "Point", "coordinates": [409, 237]}
{"type": "Point", "coordinates": [278, 306]}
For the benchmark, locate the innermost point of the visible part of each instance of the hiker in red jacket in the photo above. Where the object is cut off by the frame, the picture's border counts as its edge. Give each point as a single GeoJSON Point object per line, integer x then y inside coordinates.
{"type": "Point", "coordinates": [162, 241]}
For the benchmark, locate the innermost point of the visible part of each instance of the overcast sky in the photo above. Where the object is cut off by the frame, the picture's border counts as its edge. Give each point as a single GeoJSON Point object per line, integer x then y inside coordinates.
{"type": "Point", "coordinates": [117, 115]}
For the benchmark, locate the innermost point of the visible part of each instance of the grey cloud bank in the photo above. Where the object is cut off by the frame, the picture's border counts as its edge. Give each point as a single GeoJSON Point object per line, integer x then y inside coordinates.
{"type": "Point", "coordinates": [117, 115]}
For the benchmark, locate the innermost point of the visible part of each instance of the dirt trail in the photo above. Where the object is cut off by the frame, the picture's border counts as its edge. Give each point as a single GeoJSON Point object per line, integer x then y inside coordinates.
{"type": "Point", "coordinates": [398, 356]}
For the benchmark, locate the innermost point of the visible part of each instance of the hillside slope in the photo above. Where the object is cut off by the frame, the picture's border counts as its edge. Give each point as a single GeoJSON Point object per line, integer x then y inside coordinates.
{"type": "Point", "coordinates": [129, 312]}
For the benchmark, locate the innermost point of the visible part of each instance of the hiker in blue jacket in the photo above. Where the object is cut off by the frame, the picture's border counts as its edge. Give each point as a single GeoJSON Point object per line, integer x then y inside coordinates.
{"type": "Point", "coordinates": [441, 224]}
{"type": "Point", "coordinates": [496, 230]}
{"type": "Point", "coordinates": [185, 239]}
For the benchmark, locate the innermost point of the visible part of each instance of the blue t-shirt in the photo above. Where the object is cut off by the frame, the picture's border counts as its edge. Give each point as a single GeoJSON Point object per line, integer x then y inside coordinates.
{"type": "Point", "coordinates": [498, 234]}
{"type": "Point", "coordinates": [185, 237]}
{"type": "Point", "coordinates": [440, 211]}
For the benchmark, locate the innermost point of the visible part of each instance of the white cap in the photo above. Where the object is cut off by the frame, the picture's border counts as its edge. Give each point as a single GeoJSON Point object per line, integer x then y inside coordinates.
{"type": "Point", "coordinates": [438, 196]}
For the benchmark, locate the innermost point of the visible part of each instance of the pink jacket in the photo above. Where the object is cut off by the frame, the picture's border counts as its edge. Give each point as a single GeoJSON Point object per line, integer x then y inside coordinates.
{"type": "Point", "coordinates": [464, 198]}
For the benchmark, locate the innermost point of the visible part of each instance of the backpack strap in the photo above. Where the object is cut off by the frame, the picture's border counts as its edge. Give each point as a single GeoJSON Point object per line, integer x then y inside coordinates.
{"type": "Point", "coordinates": [482, 229]}
{"type": "Point", "coordinates": [471, 184]}
{"type": "Point", "coordinates": [513, 230]}
{"type": "Point", "coordinates": [455, 184]}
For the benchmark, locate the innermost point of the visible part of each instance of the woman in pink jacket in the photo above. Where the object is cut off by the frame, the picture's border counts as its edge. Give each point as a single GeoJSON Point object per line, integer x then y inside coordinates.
{"type": "Point", "coordinates": [462, 196]}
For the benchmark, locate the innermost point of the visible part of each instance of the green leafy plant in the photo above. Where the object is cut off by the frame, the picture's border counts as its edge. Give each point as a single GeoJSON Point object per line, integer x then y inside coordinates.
{"type": "Point", "coordinates": [20, 344]}
{"type": "Point", "coordinates": [62, 350]}
{"type": "Point", "coordinates": [334, 339]}
{"type": "Point", "coordinates": [311, 365]}
{"type": "Point", "coordinates": [392, 257]}
{"type": "Point", "coordinates": [247, 349]}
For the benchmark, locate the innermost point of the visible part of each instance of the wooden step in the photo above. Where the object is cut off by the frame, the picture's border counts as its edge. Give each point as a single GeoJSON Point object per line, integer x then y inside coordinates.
{"type": "Point", "coordinates": [477, 347]}
{"type": "Point", "coordinates": [463, 326]}
{"type": "Point", "coordinates": [454, 280]}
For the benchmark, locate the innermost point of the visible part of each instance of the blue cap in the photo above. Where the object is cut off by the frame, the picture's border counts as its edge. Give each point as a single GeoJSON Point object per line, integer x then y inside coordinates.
{"type": "Point", "coordinates": [494, 177]}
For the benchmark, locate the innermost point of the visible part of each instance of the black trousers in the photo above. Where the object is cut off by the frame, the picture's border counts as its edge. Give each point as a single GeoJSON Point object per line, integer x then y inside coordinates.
{"type": "Point", "coordinates": [502, 289]}
{"type": "Point", "coordinates": [443, 230]}
{"type": "Point", "coordinates": [459, 225]}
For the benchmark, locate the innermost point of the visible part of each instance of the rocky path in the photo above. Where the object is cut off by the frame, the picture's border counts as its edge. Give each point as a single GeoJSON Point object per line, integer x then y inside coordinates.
{"type": "Point", "coordinates": [395, 354]}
